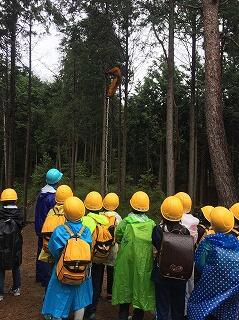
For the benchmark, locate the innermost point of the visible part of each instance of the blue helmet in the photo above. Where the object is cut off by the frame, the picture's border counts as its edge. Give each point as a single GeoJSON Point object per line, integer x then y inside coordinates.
{"type": "Point", "coordinates": [53, 176]}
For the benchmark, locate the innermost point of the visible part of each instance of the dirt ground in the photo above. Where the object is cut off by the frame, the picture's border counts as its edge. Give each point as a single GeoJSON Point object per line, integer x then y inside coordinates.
{"type": "Point", "coordinates": [28, 305]}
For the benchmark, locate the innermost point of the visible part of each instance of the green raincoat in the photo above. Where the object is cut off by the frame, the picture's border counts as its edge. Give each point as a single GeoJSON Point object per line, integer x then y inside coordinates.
{"type": "Point", "coordinates": [134, 263]}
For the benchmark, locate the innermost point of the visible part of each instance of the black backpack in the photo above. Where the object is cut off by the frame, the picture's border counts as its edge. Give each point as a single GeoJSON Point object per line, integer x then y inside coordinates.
{"type": "Point", "coordinates": [176, 256]}
{"type": "Point", "coordinates": [10, 244]}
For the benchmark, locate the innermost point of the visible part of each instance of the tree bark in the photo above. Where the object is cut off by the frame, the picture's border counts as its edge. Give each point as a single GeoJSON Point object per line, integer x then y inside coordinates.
{"type": "Point", "coordinates": [125, 112]}
{"type": "Point", "coordinates": [161, 165]}
{"type": "Point", "coordinates": [119, 139]}
{"type": "Point", "coordinates": [218, 148]}
{"type": "Point", "coordinates": [6, 120]}
{"type": "Point", "coordinates": [104, 164]}
{"type": "Point", "coordinates": [192, 116]}
{"type": "Point", "coordinates": [170, 107]}
{"type": "Point", "coordinates": [12, 109]}
{"type": "Point", "coordinates": [29, 115]}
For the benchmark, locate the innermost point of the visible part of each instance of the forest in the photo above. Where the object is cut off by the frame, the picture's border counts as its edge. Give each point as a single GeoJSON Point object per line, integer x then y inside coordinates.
{"type": "Point", "coordinates": [173, 129]}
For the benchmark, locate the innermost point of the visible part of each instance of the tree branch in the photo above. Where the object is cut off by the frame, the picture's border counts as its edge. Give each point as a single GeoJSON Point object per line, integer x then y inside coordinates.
{"type": "Point", "coordinates": [160, 42]}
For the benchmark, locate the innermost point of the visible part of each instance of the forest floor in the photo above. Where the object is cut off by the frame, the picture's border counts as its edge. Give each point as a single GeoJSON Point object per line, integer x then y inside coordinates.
{"type": "Point", "coordinates": [28, 305]}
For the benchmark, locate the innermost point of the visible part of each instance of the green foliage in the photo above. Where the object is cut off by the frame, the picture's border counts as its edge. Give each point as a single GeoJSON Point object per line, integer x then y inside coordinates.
{"type": "Point", "coordinates": [38, 175]}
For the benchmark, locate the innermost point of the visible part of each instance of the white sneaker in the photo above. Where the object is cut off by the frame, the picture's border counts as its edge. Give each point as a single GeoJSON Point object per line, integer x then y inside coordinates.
{"type": "Point", "coordinates": [1, 298]}
{"type": "Point", "coordinates": [16, 292]}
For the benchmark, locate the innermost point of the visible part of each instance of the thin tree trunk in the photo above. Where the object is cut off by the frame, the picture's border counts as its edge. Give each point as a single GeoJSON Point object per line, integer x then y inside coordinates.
{"type": "Point", "coordinates": [161, 165]}
{"type": "Point", "coordinates": [125, 115]}
{"type": "Point", "coordinates": [85, 151]}
{"type": "Point", "coordinates": [195, 168]}
{"type": "Point", "coordinates": [73, 162]}
{"type": "Point", "coordinates": [76, 151]}
{"type": "Point", "coordinates": [119, 139]}
{"type": "Point", "coordinates": [11, 123]}
{"type": "Point", "coordinates": [5, 145]}
{"type": "Point", "coordinates": [147, 153]}
{"type": "Point", "coordinates": [103, 150]}
{"type": "Point", "coordinates": [218, 148]}
{"type": "Point", "coordinates": [92, 155]}
{"type": "Point", "coordinates": [29, 115]}
{"type": "Point", "coordinates": [6, 120]}
{"type": "Point", "coordinates": [170, 105]}
{"type": "Point", "coordinates": [202, 176]}
{"type": "Point", "coordinates": [192, 116]}
{"type": "Point", "coordinates": [59, 154]}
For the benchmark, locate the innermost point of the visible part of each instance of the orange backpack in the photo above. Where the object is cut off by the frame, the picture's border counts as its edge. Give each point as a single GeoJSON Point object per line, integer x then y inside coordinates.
{"type": "Point", "coordinates": [74, 264]}
{"type": "Point", "coordinates": [51, 223]}
{"type": "Point", "coordinates": [103, 240]}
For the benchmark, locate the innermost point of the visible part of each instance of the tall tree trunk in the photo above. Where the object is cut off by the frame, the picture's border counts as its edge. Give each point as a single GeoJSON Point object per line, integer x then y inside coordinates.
{"type": "Point", "coordinates": [195, 168]}
{"type": "Point", "coordinates": [192, 116]}
{"type": "Point", "coordinates": [29, 115]}
{"type": "Point", "coordinates": [203, 166]}
{"type": "Point", "coordinates": [12, 109]}
{"type": "Point", "coordinates": [220, 157]}
{"type": "Point", "coordinates": [125, 114]}
{"type": "Point", "coordinates": [85, 150]}
{"type": "Point", "coordinates": [6, 119]}
{"type": "Point", "coordinates": [76, 151]}
{"type": "Point", "coordinates": [170, 105]}
{"type": "Point", "coordinates": [59, 154]}
{"type": "Point", "coordinates": [161, 165]}
{"type": "Point", "coordinates": [104, 151]}
{"type": "Point", "coordinates": [119, 139]}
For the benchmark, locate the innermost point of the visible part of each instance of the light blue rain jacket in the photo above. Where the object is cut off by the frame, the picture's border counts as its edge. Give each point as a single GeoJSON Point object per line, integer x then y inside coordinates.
{"type": "Point", "coordinates": [217, 292]}
{"type": "Point", "coordinates": [62, 299]}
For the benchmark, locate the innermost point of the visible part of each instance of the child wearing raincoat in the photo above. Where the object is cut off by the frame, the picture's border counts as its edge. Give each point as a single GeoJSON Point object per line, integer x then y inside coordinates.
{"type": "Point", "coordinates": [62, 299]}
{"type": "Point", "coordinates": [133, 266]}
{"type": "Point", "coordinates": [45, 202]}
{"type": "Point", "coordinates": [55, 217]}
{"type": "Point", "coordinates": [216, 295]}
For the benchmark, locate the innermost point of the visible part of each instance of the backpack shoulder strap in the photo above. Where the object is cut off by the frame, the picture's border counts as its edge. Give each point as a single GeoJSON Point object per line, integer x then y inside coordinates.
{"type": "Point", "coordinates": [82, 229]}
{"type": "Point", "coordinates": [68, 229]}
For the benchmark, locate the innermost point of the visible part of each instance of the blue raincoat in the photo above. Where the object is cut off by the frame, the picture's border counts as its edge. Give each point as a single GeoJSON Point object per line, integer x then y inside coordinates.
{"type": "Point", "coordinates": [45, 202]}
{"type": "Point", "coordinates": [217, 291]}
{"type": "Point", "coordinates": [62, 299]}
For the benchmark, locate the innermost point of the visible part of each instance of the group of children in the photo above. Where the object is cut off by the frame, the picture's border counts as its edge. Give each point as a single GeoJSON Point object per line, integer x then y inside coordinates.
{"type": "Point", "coordinates": [182, 268]}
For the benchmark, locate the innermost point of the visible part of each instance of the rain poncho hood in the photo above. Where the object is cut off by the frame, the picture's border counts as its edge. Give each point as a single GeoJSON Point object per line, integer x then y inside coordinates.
{"type": "Point", "coordinates": [133, 266]}
{"type": "Point", "coordinates": [217, 292]}
{"type": "Point", "coordinates": [92, 219]}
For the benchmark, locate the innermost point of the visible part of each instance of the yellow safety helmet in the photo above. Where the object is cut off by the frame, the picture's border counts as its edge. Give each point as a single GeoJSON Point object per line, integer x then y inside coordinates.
{"type": "Point", "coordinates": [93, 201]}
{"type": "Point", "coordinates": [74, 209]}
{"type": "Point", "coordinates": [111, 201]}
{"type": "Point", "coordinates": [140, 201]}
{"type": "Point", "coordinates": [222, 220]}
{"type": "Point", "coordinates": [172, 209]}
{"type": "Point", "coordinates": [186, 201]}
{"type": "Point", "coordinates": [9, 195]}
{"type": "Point", "coordinates": [62, 193]}
{"type": "Point", "coordinates": [235, 210]}
{"type": "Point", "coordinates": [207, 212]}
